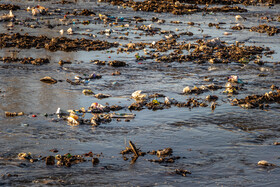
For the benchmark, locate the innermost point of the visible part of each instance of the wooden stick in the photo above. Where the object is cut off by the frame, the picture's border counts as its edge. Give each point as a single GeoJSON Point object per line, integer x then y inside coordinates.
{"type": "Point", "coordinates": [133, 149]}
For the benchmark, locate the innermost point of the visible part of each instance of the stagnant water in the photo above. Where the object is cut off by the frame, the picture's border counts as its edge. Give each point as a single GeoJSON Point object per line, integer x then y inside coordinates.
{"type": "Point", "coordinates": [220, 147]}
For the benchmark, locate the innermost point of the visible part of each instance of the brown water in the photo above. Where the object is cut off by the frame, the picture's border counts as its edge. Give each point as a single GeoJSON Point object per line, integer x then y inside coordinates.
{"type": "Point", "coordinates": [220, 148]}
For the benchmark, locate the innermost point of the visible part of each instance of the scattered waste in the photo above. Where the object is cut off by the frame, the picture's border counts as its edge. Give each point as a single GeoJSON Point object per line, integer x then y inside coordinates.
{"type": "Point", "coordinates": [265, 163]}
{"type": "Point", "coordinates": [150, 53]}
{"type": "Point", "coordinates": [95, 161]}
{"type": "Point", "coordinates": [201, 89]}
{"type": "Point", "coordinates": [239, 18]}
{"type": "Point", "coordinates": [53, 44]}
{"type": "Point", "coordinates": [7, 17]}
{"type": "Point", "coordinates": [270, 30]}
{"type": "Point", "coordinates": [117, 63]}
{"type": "Point", "coordinates": [234, 78]}
{"type": "Point", "coordinates": [13, 114]}
{"type": "Point", "coordinates": [37, 10]}
{"type": "Point", "coordinates": [70, 31]}
{"type": "Point", "coordinates": [101, 96]}
{"type": "Point", "coordinates": [62, 62]}
{"type": "Point", "coordinates": [258, 101]}
{"type": "Point", "coordinates": [50, 160]}
{"type": "Point", "coordinates": [96, 107]}
{"type": "Point", "coordinates": [122, 115]}
{"type": "Point", "coordinates": [138, 96]}
{"type": "Point", "coordinates": [173, 7]}
{"type": "Point", "coordinates": [9, 7]}
{"type": "Point", "coordinates": [88, 92]}
{"type": "Point", "coordinates": [62, 160]}
{"type": "Point", "coordinates": [182, 172]}
{"type": "Point", "coordinates": [165, 152]}
{"type": "Point", "coordinates": [29, 60]}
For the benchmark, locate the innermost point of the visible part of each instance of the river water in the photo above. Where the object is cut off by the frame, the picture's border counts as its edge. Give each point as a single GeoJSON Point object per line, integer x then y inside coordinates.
{"type": "Point", "coordinates": [220, 147]}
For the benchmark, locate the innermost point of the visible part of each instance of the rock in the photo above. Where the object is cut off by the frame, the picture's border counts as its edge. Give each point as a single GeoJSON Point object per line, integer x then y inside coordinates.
{"type": "Point", "coordinates": [117, 63]}
{"type": "Point", "coordinates": [95, 161]}
{"type": "Point", "coordinates": [50, 160]}
{"type": "Point", "coordinates": [48, 80]}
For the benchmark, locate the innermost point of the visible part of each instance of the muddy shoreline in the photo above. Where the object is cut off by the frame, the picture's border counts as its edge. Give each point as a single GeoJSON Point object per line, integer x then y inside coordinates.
{"type": "Point", "coordinates": [137, 93]}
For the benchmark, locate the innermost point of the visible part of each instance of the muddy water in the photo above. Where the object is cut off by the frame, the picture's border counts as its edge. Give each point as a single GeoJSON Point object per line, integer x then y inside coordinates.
{"type": "Point", "coordinates": [220, 148]}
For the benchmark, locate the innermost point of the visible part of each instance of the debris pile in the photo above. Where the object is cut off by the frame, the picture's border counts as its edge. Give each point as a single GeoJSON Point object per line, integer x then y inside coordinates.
{"type": "Point", "coordinates": [174, 7]}
{"type": "Point", "coordinates": [258, 101]}
{"type": "Point", "coordinates": [270, 30]}
{"type": "Point", "coordinates": [9, 7]}
{"type": "Point", "coordinates": [62, 160]}
{"type": "Point", "coordinates": [53, 44]}
{"type": "Point", "coordinates": [28, 60]}
{"type": "Point", "coordinates": [201, 89]}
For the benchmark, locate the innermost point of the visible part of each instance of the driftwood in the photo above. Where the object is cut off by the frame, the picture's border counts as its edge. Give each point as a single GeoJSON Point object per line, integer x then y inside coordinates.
{"type": "Point", "coordinates": [135, 151]}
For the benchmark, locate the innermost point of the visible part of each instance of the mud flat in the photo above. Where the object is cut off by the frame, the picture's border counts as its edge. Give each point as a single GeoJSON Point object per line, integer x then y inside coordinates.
{"type": "Point", "coordinates": [139, 93]}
